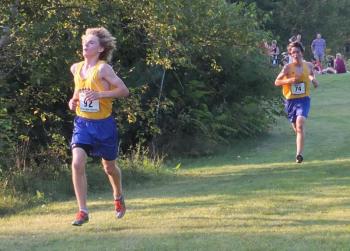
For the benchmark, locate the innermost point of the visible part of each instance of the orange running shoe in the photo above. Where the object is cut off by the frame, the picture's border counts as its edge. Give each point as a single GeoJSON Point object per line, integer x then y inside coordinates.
{"type": "Point", "coordinates": [80, 218]}
{"type": "Point", "coordinates": [120, 207]}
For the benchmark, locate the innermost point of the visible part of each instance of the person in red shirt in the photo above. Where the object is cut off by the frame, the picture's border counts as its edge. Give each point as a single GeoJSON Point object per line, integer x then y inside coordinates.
{"type": "Point", "coordinates": [339, 64]}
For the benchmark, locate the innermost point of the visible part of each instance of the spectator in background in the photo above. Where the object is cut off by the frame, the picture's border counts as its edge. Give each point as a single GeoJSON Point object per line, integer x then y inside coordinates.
{"type": "Point", "coordinates": [317, 68]}
{"type": "Point", "coordinates": [274, 52]}
{"type": "Point", "coordinates": [330, 66]}
{"type": "Point", "coordinates": [318, 48]}
{"type": "Point", "coordinates": [296, 38]}
{"type": "Point", "coordinates": [339, 64]}
{"type": "Point", "coordinates": [265, 48]}
{"type": "Point", "coordinates": [330, 61]}
{"type": "Point", "coordinates": [284, 59]}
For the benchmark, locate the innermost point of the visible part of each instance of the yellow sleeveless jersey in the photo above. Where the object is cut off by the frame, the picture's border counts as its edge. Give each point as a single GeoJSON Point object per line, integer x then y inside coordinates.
{"type": "Point", "coordinates": [97, 109]}
{"type": "Point", "coordinates": [300, 89]}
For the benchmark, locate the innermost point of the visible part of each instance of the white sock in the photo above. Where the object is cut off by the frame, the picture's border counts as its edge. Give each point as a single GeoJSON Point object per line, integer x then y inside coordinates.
{"type": "Point", "coordinates": [85, 210]}
{"type": "Point", "coordinates": [118, 198]}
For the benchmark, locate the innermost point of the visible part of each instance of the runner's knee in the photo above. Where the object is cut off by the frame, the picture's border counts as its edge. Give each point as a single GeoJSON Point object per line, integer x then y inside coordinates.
{"type": "Point", "coordinates": [299, 128]}
{"type": "Point", "coordinates": [110, 168]}
{"type": "Point", "coordinates": [78, 167]}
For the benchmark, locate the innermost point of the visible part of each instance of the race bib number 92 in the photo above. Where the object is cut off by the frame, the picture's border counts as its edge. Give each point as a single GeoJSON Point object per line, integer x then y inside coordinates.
{"type": "Point", "coordinates": [88, 106]}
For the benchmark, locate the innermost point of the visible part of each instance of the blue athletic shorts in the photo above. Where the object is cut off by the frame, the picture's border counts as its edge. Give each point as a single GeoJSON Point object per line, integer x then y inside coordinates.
{"type": "Point", "coordinates": [98, 138]}
{"type": "Point", "coordinates": [297, 107]}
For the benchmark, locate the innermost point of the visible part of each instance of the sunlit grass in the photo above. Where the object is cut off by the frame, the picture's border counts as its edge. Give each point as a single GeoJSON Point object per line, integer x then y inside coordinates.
{"type": "Point", "coordinates": [252, 197]}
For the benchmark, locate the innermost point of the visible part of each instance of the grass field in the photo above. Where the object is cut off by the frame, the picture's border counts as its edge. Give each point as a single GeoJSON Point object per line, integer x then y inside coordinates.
{"type": "Point", "coordinates": [251, 197]}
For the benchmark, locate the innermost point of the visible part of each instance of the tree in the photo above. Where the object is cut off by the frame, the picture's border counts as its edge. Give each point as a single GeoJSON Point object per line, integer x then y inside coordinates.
{"type": "Point", "coordinates": [287, 18]}
{"type": "Point", "coordinates": [194, 68]}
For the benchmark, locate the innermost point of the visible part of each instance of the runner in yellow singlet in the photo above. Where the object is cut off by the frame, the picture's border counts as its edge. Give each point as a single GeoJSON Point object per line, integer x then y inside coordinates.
{"type": "Point", "coordinates": [295, 79]}
{"type": "Point", "coordinates": [95, 131]}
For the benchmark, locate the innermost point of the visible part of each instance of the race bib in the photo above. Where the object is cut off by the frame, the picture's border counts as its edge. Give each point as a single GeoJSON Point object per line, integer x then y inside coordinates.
{"type": "Point", "coordinates": [298, 88]}
{"type": "Point", "coordinates": [88, 106]}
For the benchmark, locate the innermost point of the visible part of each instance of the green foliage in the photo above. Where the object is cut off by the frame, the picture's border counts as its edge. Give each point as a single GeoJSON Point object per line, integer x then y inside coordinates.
{"type": "Point", "coordinates": [26, 188]}
{"type": "Point", "coordinates": [259, 200]}
{"type": "Point", "coordinates": [287, 18]}
{"type": "Point", "coordinates": [138, 167]}
{"type": "Point", "coordinates": [12, 203]}
{"type": "Point", "coordinates": [193, 68]}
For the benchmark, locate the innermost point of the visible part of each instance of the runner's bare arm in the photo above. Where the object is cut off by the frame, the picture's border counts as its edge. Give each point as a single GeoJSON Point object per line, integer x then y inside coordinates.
{"type": "Point", "coordinates": [107, 74]}
{"type": "Point", "coordinates": [282, 77]}
{"type": "Point", "coordinates": [312, 75]}
{"type": "Point", "coordinates": [73, 102]}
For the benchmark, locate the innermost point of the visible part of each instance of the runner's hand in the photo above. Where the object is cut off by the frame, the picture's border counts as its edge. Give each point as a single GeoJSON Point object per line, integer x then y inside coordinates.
{"type": "Point", "coordinates": [91, 95]}
{"type": "Point", "coordinates": [72, 104]}
{"type": "Point", "coordinates": [295, 80]}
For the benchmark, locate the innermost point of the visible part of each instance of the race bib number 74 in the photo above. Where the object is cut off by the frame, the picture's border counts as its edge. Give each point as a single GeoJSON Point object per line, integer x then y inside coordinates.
{"type": "Point", "coordinates": [88, 106]}
{"type": "Point", "coordinates": [298, 89]}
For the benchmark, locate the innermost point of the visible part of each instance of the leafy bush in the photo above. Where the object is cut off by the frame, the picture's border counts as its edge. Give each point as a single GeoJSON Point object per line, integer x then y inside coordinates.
{"type": "Point", "coordinates": [194, 69]}
{"type": "Point", "coordinates": [137, 166]}
{"type": "Point", "coordinates": [23, 188]}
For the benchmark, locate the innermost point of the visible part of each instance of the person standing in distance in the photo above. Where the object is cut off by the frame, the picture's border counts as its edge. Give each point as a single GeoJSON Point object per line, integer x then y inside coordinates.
{"type": "Point", "coordinates": [95, 130]}
{"type": "Point", "coordinates": [295, 80]}
{"type": "Point", "coordinates": [318, 48]}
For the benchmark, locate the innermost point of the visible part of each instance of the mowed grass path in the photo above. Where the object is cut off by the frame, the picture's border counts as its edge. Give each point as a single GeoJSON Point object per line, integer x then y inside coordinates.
{"type": "Point", "coordinates": [252, 197]}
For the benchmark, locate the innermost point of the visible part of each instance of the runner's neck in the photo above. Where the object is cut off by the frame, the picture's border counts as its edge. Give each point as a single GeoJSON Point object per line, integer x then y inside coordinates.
{"type": "Point", "coordinates": [90, 62]}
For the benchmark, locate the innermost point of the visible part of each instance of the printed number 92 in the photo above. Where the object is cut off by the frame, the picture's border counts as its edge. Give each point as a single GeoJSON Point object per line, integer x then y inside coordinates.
{"type": "Point", "coordinates": [86, 103]}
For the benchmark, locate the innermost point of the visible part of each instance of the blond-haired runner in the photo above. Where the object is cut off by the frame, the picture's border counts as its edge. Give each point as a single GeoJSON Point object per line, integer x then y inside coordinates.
{"type": "Point", "coordinates": [95, 130]}
{"type": "Point", "coordinates": [295, 80]}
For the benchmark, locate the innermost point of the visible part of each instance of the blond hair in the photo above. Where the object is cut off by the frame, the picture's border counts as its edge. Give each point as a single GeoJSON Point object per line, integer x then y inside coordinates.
{"type": "Point", "coordinates": [107, 41]}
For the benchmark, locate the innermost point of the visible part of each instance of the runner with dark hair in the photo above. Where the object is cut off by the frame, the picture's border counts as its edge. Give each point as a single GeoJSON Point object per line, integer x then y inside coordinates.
{"type": "Point", "coordinates": [295, 80]}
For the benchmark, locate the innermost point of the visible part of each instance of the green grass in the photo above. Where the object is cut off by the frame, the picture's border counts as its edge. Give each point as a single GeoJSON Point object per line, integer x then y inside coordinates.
{"type": "Point", "coordinates": [251, 197]}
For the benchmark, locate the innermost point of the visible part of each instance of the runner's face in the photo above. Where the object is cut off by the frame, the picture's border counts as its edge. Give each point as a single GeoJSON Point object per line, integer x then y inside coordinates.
{"type": "Point", "coordinates": [296, 54]}
{"type": "Point", "coordinates": [91, 46]}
